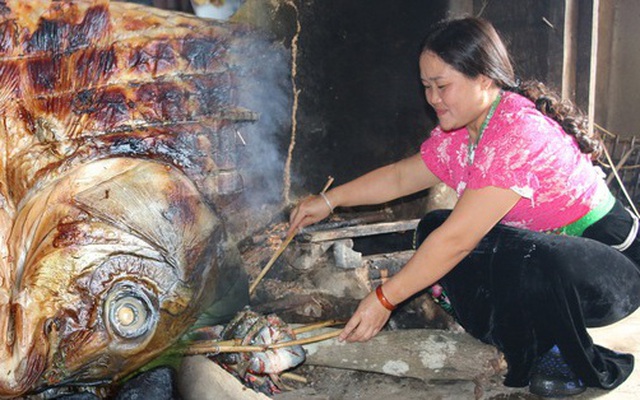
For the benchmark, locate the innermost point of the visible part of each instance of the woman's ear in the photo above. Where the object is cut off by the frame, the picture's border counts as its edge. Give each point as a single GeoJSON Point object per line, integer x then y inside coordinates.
{"type": "Point", "coordinates": [485, 82]}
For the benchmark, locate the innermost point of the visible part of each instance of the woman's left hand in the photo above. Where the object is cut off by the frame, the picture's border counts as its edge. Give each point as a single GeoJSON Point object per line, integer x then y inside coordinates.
{"type": "Point", "coordinates": [367, 321]}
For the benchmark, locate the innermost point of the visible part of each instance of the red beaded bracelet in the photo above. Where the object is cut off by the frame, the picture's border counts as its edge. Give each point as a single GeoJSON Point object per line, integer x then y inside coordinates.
{"type": "Point", "coordinates": [383, 300]}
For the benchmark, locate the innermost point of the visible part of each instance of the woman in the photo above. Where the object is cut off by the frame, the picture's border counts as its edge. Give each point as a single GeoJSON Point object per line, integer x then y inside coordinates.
{"type": "Point", "coordinates": [536, 248]}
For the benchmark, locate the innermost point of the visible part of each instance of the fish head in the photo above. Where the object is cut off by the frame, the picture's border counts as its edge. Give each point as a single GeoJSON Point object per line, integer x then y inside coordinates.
{"type": "Point", "coordinates": [115, 261]}
{"type": "Point", "coordinates": [118, 133]}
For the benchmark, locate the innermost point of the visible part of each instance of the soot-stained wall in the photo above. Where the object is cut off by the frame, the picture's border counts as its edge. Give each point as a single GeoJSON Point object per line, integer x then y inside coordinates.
{"type": "Point", "coordinates": [533, 31]}
{"type": "Point", "coordinates": [361, 103]}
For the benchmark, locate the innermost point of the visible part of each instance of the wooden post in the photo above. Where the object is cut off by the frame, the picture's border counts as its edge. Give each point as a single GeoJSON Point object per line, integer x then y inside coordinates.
{"type": "Point", "coordinates": [593, 70]}
{"type": "Point", "coordinates": [570, 48]}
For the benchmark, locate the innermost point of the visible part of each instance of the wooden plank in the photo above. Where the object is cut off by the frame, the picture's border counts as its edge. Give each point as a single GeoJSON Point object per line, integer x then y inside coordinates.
{"type": "Point", "coordinates": [426, 354]}
{"type": "Point", "coordinates": [359, 231]}
{"type": "Point", "coordinates": [361, 219]}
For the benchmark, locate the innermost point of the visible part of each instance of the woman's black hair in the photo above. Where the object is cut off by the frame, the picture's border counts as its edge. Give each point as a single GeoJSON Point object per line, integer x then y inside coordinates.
{"type": "Point", "coordinates": [473, 47]}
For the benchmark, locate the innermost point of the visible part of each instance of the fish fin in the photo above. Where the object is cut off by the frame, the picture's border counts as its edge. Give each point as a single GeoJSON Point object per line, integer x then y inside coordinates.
{"type": "Point", "coordinates": [232, 292]}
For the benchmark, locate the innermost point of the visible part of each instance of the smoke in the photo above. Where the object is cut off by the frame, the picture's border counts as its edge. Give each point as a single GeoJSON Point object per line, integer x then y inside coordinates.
{"type": "Point", "coordinates": [264, 87]}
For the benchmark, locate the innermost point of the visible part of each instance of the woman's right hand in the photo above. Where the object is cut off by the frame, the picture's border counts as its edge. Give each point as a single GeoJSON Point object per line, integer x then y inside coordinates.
{"type": "Point", "coordinates": [309, 211]}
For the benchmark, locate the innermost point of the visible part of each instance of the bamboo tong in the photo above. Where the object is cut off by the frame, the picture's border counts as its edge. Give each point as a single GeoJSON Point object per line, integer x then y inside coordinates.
{"type": "Point", "coordinates": [281, 248]}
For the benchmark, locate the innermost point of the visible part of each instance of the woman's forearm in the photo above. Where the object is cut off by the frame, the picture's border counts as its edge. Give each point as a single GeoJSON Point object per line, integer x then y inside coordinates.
{"type": "Point", "coordinates": [477, 211]}
{"type": "Point", "coordinates": [426, 267]}
{"type": "Point", "coordinates": [384, 184]}
{"type": "Point", "coordinates": [375, 187]}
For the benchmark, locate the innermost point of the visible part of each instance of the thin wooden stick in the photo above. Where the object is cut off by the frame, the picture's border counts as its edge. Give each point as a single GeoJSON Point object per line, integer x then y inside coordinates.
{"type": "Point", "coordinates": [313, 339]}
{"type": "Point", "coordinates": [328, 184]}
{"type": "Point", "coordinates": [273, 259]}
{"type": "Point", "coordinates": [620, 164]}
{"type": "Point", "coordinates": [293, 377]}
{"type": "Point", "coordinates": [280, 249]}
{"type": "Point", "coordinates": [313, 327]}
{"type": "Point", "coordinates": [213, 348]}
{"type": "Point", "coordinates": [296, 331]}
{"type": "Point", "coordinates": [624, 190]}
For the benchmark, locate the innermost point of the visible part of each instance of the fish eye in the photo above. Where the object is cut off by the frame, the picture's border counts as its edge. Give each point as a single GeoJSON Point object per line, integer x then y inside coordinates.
{"type": "Point", "coordinates": [130, 312]}
{"type": "Point", "coordinates": [50, 325]}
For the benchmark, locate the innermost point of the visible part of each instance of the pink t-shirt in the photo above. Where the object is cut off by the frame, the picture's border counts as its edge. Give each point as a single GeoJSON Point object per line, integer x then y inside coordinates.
{"type": "Point", "coordinates": [527, 152]}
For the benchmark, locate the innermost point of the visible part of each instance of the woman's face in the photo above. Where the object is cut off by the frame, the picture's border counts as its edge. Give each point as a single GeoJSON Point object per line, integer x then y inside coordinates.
{"type": "Point", "coordinates": [458, 100]}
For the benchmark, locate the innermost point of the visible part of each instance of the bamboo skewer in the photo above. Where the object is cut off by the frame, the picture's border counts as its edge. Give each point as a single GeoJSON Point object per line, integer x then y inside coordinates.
{"type": "Point", "coordinates": [615, 173]}
{"type": "Point", "coordinates": [293, 377]}
{"type": "Point", "coordinates": [215, 348]}
{"type": "Point", "coordinates": [280, 249]}
{"type": "Point", "coordinates": [313, 327]}
{"type": "Point", "coordinates": [309, 340]}
{"type": "Point", "coordinates": [273, 259]}
{"type": "Point", "coordinates": [328, 184]}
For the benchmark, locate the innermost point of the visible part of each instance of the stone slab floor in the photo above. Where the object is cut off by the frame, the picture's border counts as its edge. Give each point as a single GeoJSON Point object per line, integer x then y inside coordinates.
{"type": "Point", "coordinates": [335, 384]}
{"type": "Point", "coordinates": [328, 383]}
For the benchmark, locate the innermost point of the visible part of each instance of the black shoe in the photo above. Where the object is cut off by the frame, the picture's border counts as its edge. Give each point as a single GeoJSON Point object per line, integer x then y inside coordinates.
{"type": "Point", "coordinates": [552, 377]}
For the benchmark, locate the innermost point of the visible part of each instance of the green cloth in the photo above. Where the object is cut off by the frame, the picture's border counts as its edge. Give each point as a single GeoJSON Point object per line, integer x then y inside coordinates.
{"type": "Point", "coordinates": [578, 227]}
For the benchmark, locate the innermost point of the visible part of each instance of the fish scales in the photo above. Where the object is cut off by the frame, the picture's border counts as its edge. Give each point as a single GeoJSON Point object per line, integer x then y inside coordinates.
{"type": "Point", "coordinates": [117, 137]}
{"type": "Point", "coordinates": [164, 77]}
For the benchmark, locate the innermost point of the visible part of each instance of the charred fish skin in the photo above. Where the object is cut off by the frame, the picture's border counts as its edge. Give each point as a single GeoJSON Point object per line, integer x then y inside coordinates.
{"type": "Point", "coordinates": [117, 133]}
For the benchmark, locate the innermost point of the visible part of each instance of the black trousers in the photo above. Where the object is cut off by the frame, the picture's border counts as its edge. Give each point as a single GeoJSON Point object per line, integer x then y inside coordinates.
{"type": "Point", "coordinates": [525, 291]}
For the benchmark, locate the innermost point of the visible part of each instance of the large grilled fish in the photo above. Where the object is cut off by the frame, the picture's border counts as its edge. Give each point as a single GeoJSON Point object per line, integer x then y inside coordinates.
{"type": "Point", "coordinates": [116, 134]}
